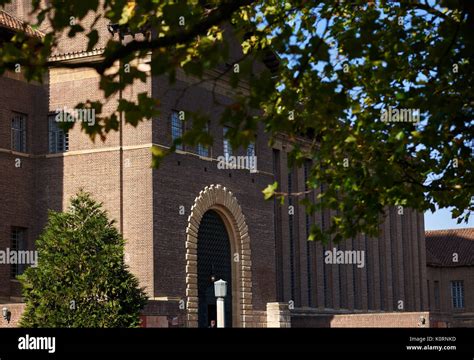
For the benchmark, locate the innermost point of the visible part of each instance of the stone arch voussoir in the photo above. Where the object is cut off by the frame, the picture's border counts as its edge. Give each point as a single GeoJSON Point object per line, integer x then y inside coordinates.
{"type": "Point", "coordinates": [219, 198]}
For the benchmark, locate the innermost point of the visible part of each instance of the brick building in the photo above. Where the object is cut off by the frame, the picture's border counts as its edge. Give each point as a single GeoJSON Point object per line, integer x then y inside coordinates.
{"type": "Point", "coordinates": [189, 220]}
{"type": "Point", "coordinates": [450, 275]}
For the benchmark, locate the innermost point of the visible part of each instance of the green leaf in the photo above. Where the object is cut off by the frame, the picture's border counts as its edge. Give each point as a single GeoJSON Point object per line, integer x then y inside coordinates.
{"type": "Point", "coordinates": [269, 191]}
{"type": "Point", "coordinates": [350, 139]}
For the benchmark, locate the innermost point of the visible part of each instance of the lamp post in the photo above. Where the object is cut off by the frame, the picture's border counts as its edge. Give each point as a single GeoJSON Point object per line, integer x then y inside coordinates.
{"type": "Point", "coordinates": [220, 290]}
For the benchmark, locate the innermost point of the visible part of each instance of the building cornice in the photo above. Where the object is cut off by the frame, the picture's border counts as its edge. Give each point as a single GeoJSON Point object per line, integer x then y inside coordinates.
{"type": "Point", "coordinates": [115, 148]}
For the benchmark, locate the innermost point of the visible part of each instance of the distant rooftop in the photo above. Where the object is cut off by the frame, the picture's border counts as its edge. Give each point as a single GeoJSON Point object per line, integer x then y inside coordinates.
{"type": "Point", "coordinates": [8, 21]}
{"type": "Point", "coordinates": [442, 244]}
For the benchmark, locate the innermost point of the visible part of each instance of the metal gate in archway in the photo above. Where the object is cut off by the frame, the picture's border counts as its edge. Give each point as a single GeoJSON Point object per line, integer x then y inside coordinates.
{"type": "Point", "coordinates": [213, 263]}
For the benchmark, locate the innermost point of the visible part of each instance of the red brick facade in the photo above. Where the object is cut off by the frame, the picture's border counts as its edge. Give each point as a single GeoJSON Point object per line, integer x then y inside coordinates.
{"type": "Point", "coordinates": [451, 261]}
{"type": "Point", "coordinates": [283, 266]}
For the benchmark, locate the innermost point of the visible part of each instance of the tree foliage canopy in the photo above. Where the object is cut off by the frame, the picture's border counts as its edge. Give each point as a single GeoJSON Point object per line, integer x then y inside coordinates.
{"type": "Point", "coordinates": [342, 63]}
{"type": "Point", "coordinates": [81, 279]}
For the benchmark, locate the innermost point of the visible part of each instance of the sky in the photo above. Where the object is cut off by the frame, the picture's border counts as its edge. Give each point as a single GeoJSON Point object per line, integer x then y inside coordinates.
{"type": "Point", "coordinates": [441, 219]}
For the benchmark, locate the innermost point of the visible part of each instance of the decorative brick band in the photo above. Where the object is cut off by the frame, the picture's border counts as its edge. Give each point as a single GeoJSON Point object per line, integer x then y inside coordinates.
{"type": "Point", "coordinates": [221, 200]}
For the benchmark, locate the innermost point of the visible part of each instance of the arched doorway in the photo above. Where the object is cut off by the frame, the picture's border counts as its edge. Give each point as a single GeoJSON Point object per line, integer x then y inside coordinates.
{"type": "Point", "coordinates": [214, 263]}
{"type": "Point", "coordinates": [222, 202]}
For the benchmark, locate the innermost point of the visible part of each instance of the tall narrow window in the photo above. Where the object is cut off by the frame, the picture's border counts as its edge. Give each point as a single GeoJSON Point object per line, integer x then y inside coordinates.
{"type": "Point", "coordinates": [251, 149]}
{"type": "Point", "coordinates": [354, 281]}
{"type": "Point", "coordinates": [457, 294]}
{"type": "Point", "coordinates": [291, 234]}
{"type": "Point", "coordinates": [342, 298]}
{"type": "Point", "coordinates": [429, 294]}
{"type": "Point", "coordinates": [18, 243]}
{"type": "Point", "coordinates": [307, 168]}
{"type": "Point", "coordinates": [19, 132]}
{"type": "Point", "coordinates": [277, 223]}
{"type": "Point", "coordinates": [394, 257]}
{"type": "Point", "coordinates": [177, 128]}
{"type": "Point", "coordinates": [226, 144]}
{"type": "Point", "coordinates": [436, 295]}
{"type": "Point", "coordinates": [251, 157]}
{"type": "Point", "coordinates": [325, 272]}
{"type": "Point", "coordinates": [383, 269]}
{"type": "Point", "coordinates": [367, 277]}
{"type": "Point", "coordinates": [203, 150]}
{"type": "Point", "coordinates": [325, 280]}
{"type": "Point", "coordinates": [58, 139]}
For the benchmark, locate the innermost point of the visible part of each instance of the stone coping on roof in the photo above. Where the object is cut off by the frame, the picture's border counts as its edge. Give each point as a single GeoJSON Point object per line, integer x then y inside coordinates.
{"type": "Point", "coordinates": [76, 55]}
